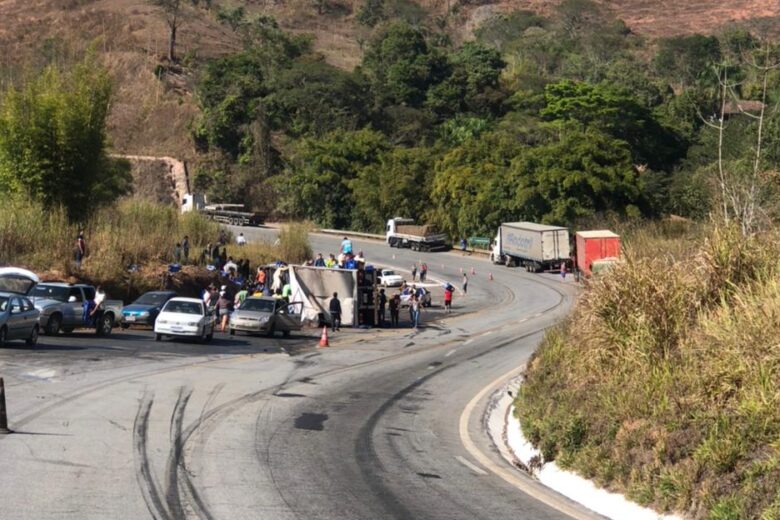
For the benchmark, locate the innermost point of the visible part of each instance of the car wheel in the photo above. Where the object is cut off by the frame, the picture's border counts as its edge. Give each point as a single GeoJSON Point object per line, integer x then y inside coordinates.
{"type": "Point", "coordinates": [33, 339]}
{"type": "Point", "coordinates": [3, 337]}
{"type": "Point", "coordinates": [232, 332]}
{"type": "Point", "coordinates": [203, 336]}
{"type": "Point", "coordinates": [270, 331]}
{"type": "Point", "coordinates": [53, 325]}
{"type": "Point", "coordinates": [158, 337]}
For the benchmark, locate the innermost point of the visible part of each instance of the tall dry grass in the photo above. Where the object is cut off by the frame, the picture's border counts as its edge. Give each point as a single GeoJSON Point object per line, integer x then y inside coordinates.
{"type": "Point", "coordinates": [665, 382]}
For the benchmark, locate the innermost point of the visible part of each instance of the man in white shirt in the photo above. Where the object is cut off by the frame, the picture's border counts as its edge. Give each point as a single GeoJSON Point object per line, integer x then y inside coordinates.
{"type": "Point", "coordinates": [241, 239]}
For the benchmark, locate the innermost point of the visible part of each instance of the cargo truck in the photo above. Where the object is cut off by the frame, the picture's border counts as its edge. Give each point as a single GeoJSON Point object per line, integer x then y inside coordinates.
{"type": "Point", "coordinates": [596, 251]}
{"type": "Point", "coordinates": [403, 232]}
{"type": "Point", "coordinates": [536, 247]}
{"type": "Point", "coordinates": [233, 214]}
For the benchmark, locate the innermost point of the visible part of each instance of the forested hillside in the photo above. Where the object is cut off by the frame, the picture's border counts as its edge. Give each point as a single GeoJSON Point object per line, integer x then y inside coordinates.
{"type": "Point", "coordinates": [347, 113]}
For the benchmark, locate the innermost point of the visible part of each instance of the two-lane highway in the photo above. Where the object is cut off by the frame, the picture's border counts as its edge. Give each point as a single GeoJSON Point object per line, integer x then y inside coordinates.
{"type": "Point", "coordinates": [255, 428]}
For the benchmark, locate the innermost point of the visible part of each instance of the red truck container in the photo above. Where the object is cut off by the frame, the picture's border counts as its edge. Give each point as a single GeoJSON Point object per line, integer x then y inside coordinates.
{"type": "Point", "coordinates": [595, 245]}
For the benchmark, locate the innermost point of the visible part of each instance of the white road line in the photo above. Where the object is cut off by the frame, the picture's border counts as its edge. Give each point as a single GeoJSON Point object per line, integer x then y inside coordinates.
{"type": "Point", "coordinates": [538, 314]}
{"type": "Point", "coordinates": [468, 341]}
{"type": "Point", "coordinates": [472, 467]}
{"type": "Point", "coordinates": [488, 333]}
{"type": "Point", "coordinates": [451, 352]}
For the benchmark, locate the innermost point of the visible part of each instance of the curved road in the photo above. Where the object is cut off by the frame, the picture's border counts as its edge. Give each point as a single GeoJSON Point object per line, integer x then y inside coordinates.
{"type": "Point", "coordinates": [255, 428]}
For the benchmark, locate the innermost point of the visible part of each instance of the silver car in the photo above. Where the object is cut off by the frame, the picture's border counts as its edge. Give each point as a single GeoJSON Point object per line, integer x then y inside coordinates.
{"type": "Point", "coordinates": [263, 315]}
{"type": "Point", "coordinates": [18, 315]}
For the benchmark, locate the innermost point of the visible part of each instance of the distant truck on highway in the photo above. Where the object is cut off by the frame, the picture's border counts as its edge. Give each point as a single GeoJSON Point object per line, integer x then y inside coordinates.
{"type": "Point", "coordinates": [62, 306]}
{"type": "Point", "coordinates": [233, 214]}
{"type": "Point", "coordinates": [536, 247]}
{"type": "Point", "coordinates": [403, 232]}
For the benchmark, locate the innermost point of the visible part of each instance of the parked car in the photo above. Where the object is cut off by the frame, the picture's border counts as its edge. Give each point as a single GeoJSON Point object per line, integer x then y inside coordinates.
{"type": "Point", "coordinates": [422, 293]}
{"type": "Point", "coordinates": [389, 278]}
{"type": "Point", "coordinates": [145, 309]}
{"type": "Point", "coordinates": [185, 317]}
{"type": "Point", "coordinates": [263, 315]}
{"type": "Point", "coordinates": [18, 315]}
{"type": "Point", "coordinates": [62, 308]}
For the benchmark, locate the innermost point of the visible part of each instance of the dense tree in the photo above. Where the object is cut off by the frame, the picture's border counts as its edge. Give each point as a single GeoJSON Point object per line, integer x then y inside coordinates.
{"type": "Point", "coordinates": [53, 140]}
{"type": "Point", "coordinates": [316, 186]}
{"type": "Point", "coordinates": [687, 59]}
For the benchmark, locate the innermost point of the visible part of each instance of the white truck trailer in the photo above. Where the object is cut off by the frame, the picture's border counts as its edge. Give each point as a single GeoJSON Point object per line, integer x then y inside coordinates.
{"type": "Point", "coordinates": [403, 232]}
{"type": "Point", "coordinates": [536, 247]}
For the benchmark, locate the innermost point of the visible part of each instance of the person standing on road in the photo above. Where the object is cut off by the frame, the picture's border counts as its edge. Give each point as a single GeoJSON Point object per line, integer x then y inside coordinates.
{"type": "Point", "coordinates": [382, 302]}
{"type": "Point", "coordinates": [185, 248]}
{"type": "Point", "coordinates": [414, 309]}
{"type": "Point", "coordinates": [346, 246]}
{"type": "Point", "coordinates": [423, 271]}
{"type": "Point", "coordinates": [448, 298]}
{"type": "Point", "coordinates": [414, 272]}
{"type": "Point", "coordinates": [563, 271]}
{"type": "Point", "coordinates": [223, 308]}
{"type": "Point", "coordinates": [80, 250]}
{"type": "Point", "coordinates": [395, 302]}
{"type": "Point", "coordinates": [335, 312]}
{"type": "Point", "coordinates": [463, 245]}
{"type": "Point", "coordinates": [465, 283]}
{"type": "Point", "coordinates": [241, 296]}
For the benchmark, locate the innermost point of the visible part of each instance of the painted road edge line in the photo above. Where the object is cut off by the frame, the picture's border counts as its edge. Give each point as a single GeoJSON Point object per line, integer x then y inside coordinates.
{"type": "Point", "coordinates": [527, 486]}
{"type": "Point", "coordinates": [472, 467]}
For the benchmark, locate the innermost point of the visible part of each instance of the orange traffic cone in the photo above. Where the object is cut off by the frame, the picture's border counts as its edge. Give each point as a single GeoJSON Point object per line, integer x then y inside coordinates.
{"type": "Point", "coordinates": [490, 276]}
{"type": "Point", "coordinates": [324, 337]}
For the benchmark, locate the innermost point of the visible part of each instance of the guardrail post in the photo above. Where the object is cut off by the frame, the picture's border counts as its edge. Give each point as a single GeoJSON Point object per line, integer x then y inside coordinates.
{"type": "Point", "coordinates": [3, 417]}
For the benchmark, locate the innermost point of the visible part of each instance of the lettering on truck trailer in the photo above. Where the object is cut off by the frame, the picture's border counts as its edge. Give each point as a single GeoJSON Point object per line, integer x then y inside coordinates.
{"type": "Point", "coordinates": [522, 243]}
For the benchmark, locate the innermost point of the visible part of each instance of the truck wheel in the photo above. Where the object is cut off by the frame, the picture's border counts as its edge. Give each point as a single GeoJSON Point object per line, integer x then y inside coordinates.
{"type": "Point", "coordinates": [158, 337]}
{"type": "Point", "coordinates": [392, 242]}
{"type": "Point", "coordinates": [53, 325]}
{"type": "Point", "coordinates": [106, 325]}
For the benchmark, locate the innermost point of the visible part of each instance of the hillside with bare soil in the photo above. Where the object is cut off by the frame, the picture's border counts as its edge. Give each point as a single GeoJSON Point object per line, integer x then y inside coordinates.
{"type": "Point", "coordinates": [152, 116]}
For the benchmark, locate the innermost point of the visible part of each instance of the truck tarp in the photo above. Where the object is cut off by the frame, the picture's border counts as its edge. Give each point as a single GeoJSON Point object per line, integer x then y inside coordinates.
{"type": "Point", "coordinates": [427, 230]}
{"type": "Point", "coordinates": [314, 286]}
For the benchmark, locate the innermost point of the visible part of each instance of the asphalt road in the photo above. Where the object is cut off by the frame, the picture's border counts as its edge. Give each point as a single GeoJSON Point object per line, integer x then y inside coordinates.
{"type": "Point", "coordinates": [258, 428]}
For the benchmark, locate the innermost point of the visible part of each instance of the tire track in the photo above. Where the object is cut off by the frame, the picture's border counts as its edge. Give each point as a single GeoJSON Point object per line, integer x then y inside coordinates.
{"type": "Point", "coordinates": [150, 489]}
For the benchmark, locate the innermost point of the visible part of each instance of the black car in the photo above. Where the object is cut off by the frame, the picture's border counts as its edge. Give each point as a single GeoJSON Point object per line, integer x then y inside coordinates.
{"type": "Point", "coordinates": [145, 309]}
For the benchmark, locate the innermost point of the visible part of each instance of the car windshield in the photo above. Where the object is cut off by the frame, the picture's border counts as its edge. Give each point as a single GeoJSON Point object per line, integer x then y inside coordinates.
{"type": "Point", "coordinates": [184, 307]}
{"type": "Point", "coordinates": [257, 305]}
{"type": "Point", "coordinates": [153, 298]}
{"type": "Point", "coordinates": [50, 292]}
{"type": "Point", "coordinates": [388, 273]}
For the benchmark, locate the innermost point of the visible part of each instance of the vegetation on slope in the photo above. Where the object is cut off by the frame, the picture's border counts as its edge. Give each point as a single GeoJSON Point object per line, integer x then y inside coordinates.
{"type": "Point", "coordinates": [663, 384]}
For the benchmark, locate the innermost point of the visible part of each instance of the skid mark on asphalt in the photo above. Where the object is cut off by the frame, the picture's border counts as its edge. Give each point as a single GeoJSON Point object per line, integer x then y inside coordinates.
{"type": "Point", "coordinates": [172, 494]}
{"type": "Point", "coordinates": [149, 487]}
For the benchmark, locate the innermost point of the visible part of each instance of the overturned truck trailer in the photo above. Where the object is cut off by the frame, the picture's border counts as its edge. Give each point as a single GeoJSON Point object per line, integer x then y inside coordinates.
{"type": "Point", "coordinates": [314, 286]}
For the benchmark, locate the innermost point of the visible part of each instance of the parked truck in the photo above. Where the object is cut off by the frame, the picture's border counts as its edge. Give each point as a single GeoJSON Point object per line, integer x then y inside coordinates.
{"type": "Point", "coordinates": [533, 246]}
{"type": "Point", "coordinates": [596, 250]}
{"type": "Point", "coordinates": [403, 232]}
{"type": "Point", "coordinates": [233, 214]}
{"type": "Point", "coordinates": [62, 308]}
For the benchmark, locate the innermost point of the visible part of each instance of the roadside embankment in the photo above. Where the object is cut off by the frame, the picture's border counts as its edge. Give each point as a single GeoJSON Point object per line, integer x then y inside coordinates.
{"type": "Point", "coordinates": [663, 385]}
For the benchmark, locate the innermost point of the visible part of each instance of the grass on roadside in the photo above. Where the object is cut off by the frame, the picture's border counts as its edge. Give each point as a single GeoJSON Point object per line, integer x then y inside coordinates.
{"type": "Point", "coordinates": [665, 382]}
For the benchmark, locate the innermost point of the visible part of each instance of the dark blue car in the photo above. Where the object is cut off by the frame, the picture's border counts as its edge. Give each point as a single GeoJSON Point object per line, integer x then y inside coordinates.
{"type": "Point", "coordinates": [145, 309]}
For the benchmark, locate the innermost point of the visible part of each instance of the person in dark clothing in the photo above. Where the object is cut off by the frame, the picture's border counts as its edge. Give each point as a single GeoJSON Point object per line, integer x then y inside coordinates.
{"type": "Point", "coordinates": [395, 303]}
{"type": "Point", "coordinates": [185, 248]}
{"type": "Point", "coordinates": [335, 312]}
{"type": "Point", "coordinates": [382, 303]}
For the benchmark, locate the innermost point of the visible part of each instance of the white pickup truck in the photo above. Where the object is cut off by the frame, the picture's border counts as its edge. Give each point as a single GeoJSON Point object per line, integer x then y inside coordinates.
{"type": "Point", "coordinates": [62, 308]}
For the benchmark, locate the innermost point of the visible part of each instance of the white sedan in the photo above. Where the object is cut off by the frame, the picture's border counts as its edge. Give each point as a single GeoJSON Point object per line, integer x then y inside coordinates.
{"type": "Point", "coordinates": [187, 317]}
{"type": "Point", "coordinates": [389, 278]}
